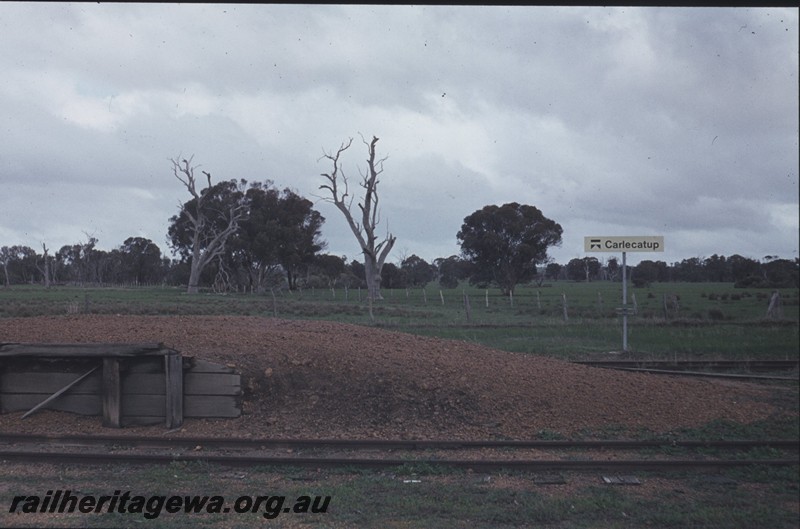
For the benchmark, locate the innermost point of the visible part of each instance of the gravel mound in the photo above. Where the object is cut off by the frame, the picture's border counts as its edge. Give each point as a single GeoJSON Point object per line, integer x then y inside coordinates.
{"type": "Point", "coordinates": [316, 379]}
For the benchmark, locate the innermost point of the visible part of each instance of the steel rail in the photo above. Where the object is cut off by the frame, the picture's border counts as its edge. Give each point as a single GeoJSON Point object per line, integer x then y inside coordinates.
{"type": "Point", "coordinates": [699, 373]}
{"type": "Point", "coordinates": [313, 462]}
{"type": "Point", "coordinates": [682, 367]}
{"type": "Point", "coordinates": [387, 444]}
{"type": "Point", "coordinates": [751, 365]}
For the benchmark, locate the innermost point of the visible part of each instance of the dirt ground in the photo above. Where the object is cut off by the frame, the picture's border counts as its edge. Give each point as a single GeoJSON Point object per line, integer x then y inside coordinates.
{"type": "Point", "coordinates": [313, 379]}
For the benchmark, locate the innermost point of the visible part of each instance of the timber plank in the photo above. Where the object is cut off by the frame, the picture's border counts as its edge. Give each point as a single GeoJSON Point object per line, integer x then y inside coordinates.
{"type": "Point", "coordinates": [197, 406]}
{"type": "Point", "coordinates": [44, 382]}
{"type": "Point", "coordinates": [212, 384]}
{"type": "Point", "coordinates": [202, 366]}
{"type": "Point", "coordinates": [132, 382]}
{"type": "Point", "coordinates": [81, 350]}
{"type": "Point", "coordinates": [194, 406]}
{"type": "Point", "coordinates": [80, 404]}
{"type": "Point", "coordinates": [173, 374]}
{"type": "Point", "coordinates": [111, 393]}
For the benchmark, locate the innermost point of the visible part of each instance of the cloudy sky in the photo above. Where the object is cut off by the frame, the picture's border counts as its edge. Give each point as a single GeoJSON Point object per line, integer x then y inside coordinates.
{"type": "Point", "coordinates": [681, 122]}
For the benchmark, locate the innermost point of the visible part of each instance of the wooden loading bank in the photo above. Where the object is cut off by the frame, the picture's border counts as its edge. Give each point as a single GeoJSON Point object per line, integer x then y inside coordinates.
{"type": "Point", "coordinates": [126, 384]}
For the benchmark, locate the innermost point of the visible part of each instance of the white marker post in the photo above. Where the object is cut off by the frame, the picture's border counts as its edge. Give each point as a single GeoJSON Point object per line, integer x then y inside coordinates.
{"type": "Point", "coordinates": [625, 245]}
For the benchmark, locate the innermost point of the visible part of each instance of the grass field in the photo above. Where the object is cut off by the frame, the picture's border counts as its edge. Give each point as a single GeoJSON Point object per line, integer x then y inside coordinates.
{"type": "Point", "coordinates": [710, 321]}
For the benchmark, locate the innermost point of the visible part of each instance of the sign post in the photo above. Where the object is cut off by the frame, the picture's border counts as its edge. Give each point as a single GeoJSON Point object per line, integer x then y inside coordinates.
{"type": "Point", "coordinates": [625, 245]}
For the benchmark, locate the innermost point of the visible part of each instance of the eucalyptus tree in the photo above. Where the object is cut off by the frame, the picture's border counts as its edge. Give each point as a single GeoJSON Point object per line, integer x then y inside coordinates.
{"type": "Point", "coordinates": [506, 243]}
{"type": "Point", "coordinates": [362, 223]}
{"type": "Point", "coordinates": [205, 223]}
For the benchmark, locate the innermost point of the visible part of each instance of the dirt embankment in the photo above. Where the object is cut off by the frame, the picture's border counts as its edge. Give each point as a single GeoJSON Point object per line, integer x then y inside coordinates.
{"type": "Point", "coordinates": [326, 380]}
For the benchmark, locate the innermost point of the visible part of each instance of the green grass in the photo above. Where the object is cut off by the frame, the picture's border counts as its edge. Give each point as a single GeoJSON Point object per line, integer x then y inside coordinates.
{"type": "Point", "coordinates": [444, 499]}
{"type": "Point", "coordinates": [712, 320]}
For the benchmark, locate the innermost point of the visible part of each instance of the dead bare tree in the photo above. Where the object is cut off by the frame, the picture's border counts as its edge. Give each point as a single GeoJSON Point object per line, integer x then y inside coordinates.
{"type": "Point", "coordinates": [375, 251]}
{"type": "Point", "coordinates": [45, 268]}
{"type": "Point", "coordinates": [207, 242]}
{"type": "Point", "coordinates": [6, 256]}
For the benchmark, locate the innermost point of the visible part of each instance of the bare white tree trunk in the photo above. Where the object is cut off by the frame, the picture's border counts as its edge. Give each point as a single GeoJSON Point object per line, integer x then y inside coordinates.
{"type": "Point", "coordinates": [215, 246]}
{"type": "Point", "coordinates": [375, 251]}
{"type": "Point", "coordinates": [46, 267]}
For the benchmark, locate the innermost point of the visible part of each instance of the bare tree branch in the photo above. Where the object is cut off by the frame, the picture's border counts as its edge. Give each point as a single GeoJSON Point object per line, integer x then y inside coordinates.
{"type": "Point", "coordinates": [375, 252]}
{"type": "Point", "coordinates": [207, 243]}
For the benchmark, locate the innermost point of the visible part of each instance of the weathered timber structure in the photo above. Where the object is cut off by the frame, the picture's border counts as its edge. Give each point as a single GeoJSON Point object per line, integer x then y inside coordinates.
{"type": "Point", "coordinates": [126, 384]}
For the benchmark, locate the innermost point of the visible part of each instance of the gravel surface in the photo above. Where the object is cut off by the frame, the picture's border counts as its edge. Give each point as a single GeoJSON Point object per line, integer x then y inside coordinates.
{"type": "Point", "coordinates": [316, 379]}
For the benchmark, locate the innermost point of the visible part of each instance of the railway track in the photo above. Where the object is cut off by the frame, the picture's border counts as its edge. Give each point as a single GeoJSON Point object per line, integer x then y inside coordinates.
{"type": "Point", "coordinates": [381, 444]}
{"type": "Point", "coordinates": [741, 369]}
{"type": "Point", "coordinates": [590, 455]}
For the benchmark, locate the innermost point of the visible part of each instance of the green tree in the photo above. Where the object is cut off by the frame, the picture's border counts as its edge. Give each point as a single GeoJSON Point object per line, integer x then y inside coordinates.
{"type": "Point", "coordinates": [506, 243]}
{"type": "Point", "coordinates": [201, 230]}
{"type": "Point", "coordinates": [331, 267]}
{"type": "Point", "coordinates": [743, 268]}
{"type": "Point", "coordinates": [393, 277]}
{"type": "Point", "coordinates": [140, 261]}
{"type": "Point", "coordinates": [451, 270]}
{"type": "Point", "coordinates": [553, 270]}
{"type": "Point", "coordinates": [281, 228]}
{"type": "Point", "coordinates": [575, 270]}
{"type": "Point", "coordinates": [418, 271]}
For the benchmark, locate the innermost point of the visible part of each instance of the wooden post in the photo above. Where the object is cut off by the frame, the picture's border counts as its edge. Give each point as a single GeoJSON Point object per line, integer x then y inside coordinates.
{"type": "Point", "coordinates": [511, 297]}
{"type": "Point", "coordinates": [467, 307]}
{"type": "Point", "coordinates": [424, 296]}
{"type": "Point", "coordinates": [441, 296]}
{"type": "Point", "coordinates": [112, 393]}
{"type": "Point", "coordinates": [173, 373]}
{"type": "Point", "coordinates": [538, 301]}
{"type": "Point", "coordinates": [635, 305]}
{"type": "Point", "coordinates": [564, 297]}
{"type": "Point", "coordinates": [486, 295]}
{"type": "Point", "coordinates": [774, 309]}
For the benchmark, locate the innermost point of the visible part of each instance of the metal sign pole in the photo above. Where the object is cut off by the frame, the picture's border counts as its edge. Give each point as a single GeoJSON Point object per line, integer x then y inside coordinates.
{"type": "Point", "coordinates": [624, 305]}
{"type": "Point", "coordinates": [646, 243]}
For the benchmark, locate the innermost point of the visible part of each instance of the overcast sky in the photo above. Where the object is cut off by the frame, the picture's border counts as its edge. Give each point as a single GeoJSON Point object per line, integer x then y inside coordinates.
{"type": "Point", "coordinates": [681, 122]}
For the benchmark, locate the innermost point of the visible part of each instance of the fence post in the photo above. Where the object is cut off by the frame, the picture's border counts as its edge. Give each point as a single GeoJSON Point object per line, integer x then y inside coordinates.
{"type": "Point", "coordinates": [424, 296]}
{"type": "Point", "coordinates": [467, 308]}
{"type": "Point", "coordinates": [441, 296]}
{"type": "Point", "coordinates": [487, 298]}
{"type": "Point", "coordinates": [564, 298]}
{"type": "Point", "coordinates": [774, 310]}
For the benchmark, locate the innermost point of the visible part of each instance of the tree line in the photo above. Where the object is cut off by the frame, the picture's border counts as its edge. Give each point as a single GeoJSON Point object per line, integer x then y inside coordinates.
{"type": "Point", "coordinates": [240, 236]}
{"type": "Point", "coordinates": [139, 261]}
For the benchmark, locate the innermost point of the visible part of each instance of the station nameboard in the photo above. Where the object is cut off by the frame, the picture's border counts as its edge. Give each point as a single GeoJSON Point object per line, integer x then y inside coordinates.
{"type": "Point", "coordinates": [624, 244]}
